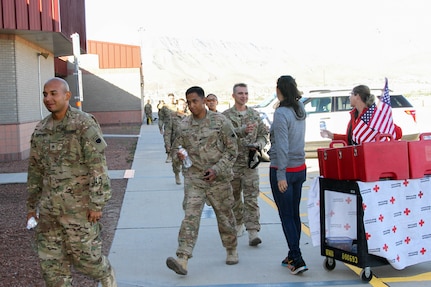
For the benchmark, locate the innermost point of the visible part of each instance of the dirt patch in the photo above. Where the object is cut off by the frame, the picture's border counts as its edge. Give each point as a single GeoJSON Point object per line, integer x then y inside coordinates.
{"type": "Point", "coordinates": [18, 259]}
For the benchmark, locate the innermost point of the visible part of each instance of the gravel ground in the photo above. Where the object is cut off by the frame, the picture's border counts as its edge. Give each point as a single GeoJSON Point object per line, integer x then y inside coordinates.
{"type": "Point", "coordinates": [18, 260]}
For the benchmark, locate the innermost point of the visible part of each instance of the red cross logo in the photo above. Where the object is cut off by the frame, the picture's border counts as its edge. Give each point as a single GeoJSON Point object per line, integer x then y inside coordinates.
{"type": "Point", "coordinates": [392, 200]}
{"type": "Point", "coordinates": [421, 222]}
{"type": "Point", "coordinates": [367, 235]}
{"type": "Point", "coordinates": [331, 213]}
{"type": "Point", "coordinates": [385, 247]}
{"type": "Point", "coordinates": [394, 229]}
{"type": "Point", "coordinates": [376, 188]}
{"type": "Point", "coordinates": [398, 258]}
{"type": "Point", "coordinates": [407, 240]}
{"type": "Point", "coordinates": [381, 218]}
{"type": "Point", "coordinates": [406, 182]}
{"type": "Point", "coordinates": [407, 211]}
{"type": "Point", "coordinates": [348, 200]}
{"type": "Point", "coordinates": [364, 206]}
{"type": "Point", "coordinates": [423, 250]}
{"type": "Point", "coordinates": [420, 194]}
{"type": "Point", "coordinates": [347, 226]}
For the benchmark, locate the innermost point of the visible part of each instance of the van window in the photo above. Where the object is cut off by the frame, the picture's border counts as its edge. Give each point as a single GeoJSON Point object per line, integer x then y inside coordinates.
{"type": "Point", "coordinates": [317, 105]}
{"type": "Point", "coordinates": [342, 104]}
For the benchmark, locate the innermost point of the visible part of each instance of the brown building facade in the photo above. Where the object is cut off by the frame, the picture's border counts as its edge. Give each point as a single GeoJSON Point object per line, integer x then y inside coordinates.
{"type": "Point", "coordinates": [33, 35]}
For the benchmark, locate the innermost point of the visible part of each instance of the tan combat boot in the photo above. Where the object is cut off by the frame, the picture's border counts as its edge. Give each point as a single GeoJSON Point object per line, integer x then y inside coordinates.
{"type": "Point", "coordinates": [253, 238]}
{"type": "Point", "coordinates": [232, 256]}
{"type": "Point", "coordinates": [110, 280]}
{"type": "Point", "coordinates": [177, 178]}
{"type": "Point", "coordinates": [178, 265]}
{"type": "Point", "coordinates": [240, 230]}
{"type": "Point", "coordinates": [168, 158]}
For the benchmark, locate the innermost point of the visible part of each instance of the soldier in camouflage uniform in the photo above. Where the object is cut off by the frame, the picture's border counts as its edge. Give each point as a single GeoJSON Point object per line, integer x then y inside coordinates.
{"type": "Point", "coordinates": [68, 186]}
{"type": "Point", "coordinates": [252, 134]}
{"type": "Point", "coordinates": [171, 133]}
{"type": "Point", "coordinates": [211, 101]}
{"type": "Point", "coordinates": [212, 147]}
{"type": "Point", "coordinates": [164, 118]}
{"type": "Point", "coordinates": [148, 109]}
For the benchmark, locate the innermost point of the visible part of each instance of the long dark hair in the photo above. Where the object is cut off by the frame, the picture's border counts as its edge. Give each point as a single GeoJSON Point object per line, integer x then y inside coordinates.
{"type": "Point", "coordinates": [291, 95]}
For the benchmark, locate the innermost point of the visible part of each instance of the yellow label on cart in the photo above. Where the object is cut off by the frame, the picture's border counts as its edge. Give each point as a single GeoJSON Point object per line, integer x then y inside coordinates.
{"type": "Point", "coordinates": [349, 258]}
{"type": "Point", "coordinates": [329, 253]}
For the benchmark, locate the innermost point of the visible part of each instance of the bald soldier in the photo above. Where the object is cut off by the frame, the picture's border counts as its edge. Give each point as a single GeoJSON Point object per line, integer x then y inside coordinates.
{"type": "Point", "coordinates": [68, 186]}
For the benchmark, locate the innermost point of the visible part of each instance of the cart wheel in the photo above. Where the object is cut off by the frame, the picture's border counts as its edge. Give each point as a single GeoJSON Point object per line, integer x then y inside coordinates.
{"type": "Point", "coordinates": [329, 264]}
{"type": "Point", "coordinates": [366, 274]}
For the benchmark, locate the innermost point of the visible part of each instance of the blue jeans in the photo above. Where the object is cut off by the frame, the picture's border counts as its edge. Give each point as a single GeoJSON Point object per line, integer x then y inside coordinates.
{"type": "Point", "coordinates": [288, 208]}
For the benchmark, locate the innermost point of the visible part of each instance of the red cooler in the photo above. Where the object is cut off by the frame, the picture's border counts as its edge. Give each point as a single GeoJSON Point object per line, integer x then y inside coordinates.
{"type": "Point", "coordinates": [382, 159]}
{"type": "Point", "coordinates": [328, 160]}
{"type": "Point", "coordinates": [346, 163]}
{"type": "Point", "coordinates": [420, 156]}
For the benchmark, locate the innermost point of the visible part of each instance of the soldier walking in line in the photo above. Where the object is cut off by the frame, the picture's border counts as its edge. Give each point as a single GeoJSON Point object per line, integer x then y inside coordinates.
{"type": "Point", "coordinates": [68, 186]}
{"type": "Point", "coordinates": [171, 133]}
{"type": "Point", "coordinates": [212, 147]}
{"type": "Point", "coordinates": [148, 109]}
{"type": "Point", "coordinates": [252, 137]}
{"type": "Point", "coordinates": [211, 101]}
{"type": "Point", "coordinates": [164, 118]}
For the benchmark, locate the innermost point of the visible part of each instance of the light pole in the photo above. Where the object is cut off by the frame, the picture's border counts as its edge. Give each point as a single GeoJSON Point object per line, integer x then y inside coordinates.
{"type": "Point", "coordinates": [78, 75]}
{"type": "Point", "coordinates": [45, 55]}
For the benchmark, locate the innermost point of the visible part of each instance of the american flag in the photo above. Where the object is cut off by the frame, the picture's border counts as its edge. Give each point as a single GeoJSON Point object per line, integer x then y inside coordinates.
{"type": "Point", "coordinates": [377, 119]}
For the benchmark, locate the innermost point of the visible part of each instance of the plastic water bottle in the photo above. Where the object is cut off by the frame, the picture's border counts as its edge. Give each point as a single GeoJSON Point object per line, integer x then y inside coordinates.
{"type": "Point", "coordinates": [187, 162]}
{"type": "Point", "coordinates": [31, 223]}
{"type": "Point", "coordinates": [322, 125]}
{"type": "Point", "coordinates": [323, 132]}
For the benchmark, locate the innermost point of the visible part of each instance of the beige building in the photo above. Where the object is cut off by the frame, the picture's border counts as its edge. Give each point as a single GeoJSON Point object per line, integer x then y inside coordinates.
{"type": "Point", "coordinates": [36, 45]}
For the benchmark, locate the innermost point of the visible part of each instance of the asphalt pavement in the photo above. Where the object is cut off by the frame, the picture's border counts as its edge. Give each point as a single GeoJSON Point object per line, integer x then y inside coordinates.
{"type": "Point", "coordinates": [151, 215]}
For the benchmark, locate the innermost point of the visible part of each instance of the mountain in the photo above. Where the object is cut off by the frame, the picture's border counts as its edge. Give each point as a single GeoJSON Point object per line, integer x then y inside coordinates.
{"type": "Point", "coordinates": [174, 64]}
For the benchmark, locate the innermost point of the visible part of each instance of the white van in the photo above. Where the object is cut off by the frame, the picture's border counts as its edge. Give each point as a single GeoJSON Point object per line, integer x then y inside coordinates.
{"type": "Point", "coordinates": [332, 107]}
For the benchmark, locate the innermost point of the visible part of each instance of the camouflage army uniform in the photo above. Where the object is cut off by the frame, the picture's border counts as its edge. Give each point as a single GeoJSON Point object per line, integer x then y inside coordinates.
{"type": "Point", "coordinates": [148, 109]}
{"type": "Point", "coordinates": [246, 180]}
{"type": "Point", "coordinates": [164, 119]}
{"type": "Point", "coordinates": [67, 176]}
{"type": "Point", "coordinates": [211, 143]}
{"type": "Point", "coordinates": [171, 133]}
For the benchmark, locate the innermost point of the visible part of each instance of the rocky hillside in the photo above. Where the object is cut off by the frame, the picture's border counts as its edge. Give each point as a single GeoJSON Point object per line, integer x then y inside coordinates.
{"type": "Point", "coordinates": [173, 65]}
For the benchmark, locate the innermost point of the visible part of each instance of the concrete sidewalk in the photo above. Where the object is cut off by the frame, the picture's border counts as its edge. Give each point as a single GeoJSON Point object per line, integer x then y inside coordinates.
{"type": "Point", "coordinates": [151, 215]}
{"type": "Point", "coordinates": [149, 223]}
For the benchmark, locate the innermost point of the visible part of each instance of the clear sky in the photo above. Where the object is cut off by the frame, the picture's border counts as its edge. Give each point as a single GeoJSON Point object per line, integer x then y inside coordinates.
{"type": "Point", "coordinates": [335, 27]}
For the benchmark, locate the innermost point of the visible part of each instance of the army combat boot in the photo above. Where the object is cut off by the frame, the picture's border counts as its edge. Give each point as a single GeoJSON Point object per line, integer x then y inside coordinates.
{"type": "Point", "coordinates": [168, 158]}
{"type": "Point", "coordinates": [232, 256]}
{"type": "Point", "coordinates": [240, 230]}
{"type": "Point", "coordinates": [110, 280]}
{"type": "Point", "coordinates": [253, 238]}
{"type": "Point", "coordinates": [177, 178]}
{"type": "Point", "coordinates": [178, 265]}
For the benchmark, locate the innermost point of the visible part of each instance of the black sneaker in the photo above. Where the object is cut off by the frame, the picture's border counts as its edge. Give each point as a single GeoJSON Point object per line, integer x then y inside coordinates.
{"type": "Point", "coordinates": [287, 262]}
{"type": "Point", "coordinates": [298, 266]}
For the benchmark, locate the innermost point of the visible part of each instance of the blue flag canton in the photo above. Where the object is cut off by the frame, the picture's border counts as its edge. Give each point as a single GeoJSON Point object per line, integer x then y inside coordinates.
{"type": "Point", "coordinates": [386, 98]}
{"type": "Point", "coordinates": [366, 117]}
